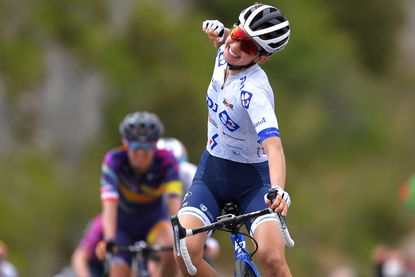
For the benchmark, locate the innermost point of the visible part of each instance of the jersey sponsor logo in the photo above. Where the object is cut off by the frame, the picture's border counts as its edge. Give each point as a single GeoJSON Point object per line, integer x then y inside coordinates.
{"type": "Point", "coordinates": [246, 99]}
{"type": "Point", "coordinates": [204, 209]}
{"type": "Point", "coordinates": [239, 246]}
{"type": "Point", "coordinates": [260, 151]}
{"type": "Point", "coordinates": [262, 121]}
{"type": "Point", "coordinates": [211, 105]}
{"type": "Point", "coordinates": [269, 132]}
{"type": "Point", "coordinates": [213, 122]}
{"type": "Point", "coordinates": [227, 104]}
{"type": "Point", "coordinates": [231, 146]}
{"type": "Point", "coordinates": [232, 137]}
{"type": "Point", "coordinates": [221, 60]}
{"type": "Point", "coordinates": [236, 151]}
{"type": "Point", "coordinates": [243, 79]}
{"type": "Point", "coordinates": [228, 122]}
{"type": "Point", "coordinates": [215, 84]}
{"type": "Point", "coordinates": [212, 141]}
{"type": "Point", "coordinates": [186, 196]}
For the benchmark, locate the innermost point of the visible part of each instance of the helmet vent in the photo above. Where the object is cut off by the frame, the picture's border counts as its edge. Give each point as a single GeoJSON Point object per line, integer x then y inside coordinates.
{"type": "Point", "coordinates": [277, 33]}
{"type": "Point", "coordinates": [141, 126]}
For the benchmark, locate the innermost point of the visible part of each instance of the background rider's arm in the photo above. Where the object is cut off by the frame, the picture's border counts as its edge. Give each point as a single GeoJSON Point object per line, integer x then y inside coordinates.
{"type": "Point", "coordinates": [174, 195]}
{"type": "Point", "coordinates": [109, 218]}
{"type": "Point", "coordinates": [174, 204]}
{"type": "Point", "coordinates": [80, 259]}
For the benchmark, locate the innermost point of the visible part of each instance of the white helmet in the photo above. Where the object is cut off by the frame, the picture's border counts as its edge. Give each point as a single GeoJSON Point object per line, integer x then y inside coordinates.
{"type": "Point", "coordinates": [267, 26]}
{"type": "Point", "coordinates": [175, 146]}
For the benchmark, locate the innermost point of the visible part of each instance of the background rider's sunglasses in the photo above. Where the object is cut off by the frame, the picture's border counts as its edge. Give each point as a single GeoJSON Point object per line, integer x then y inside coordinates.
{"type": "Point", "coordinates": [134, 145]}
{"type": "Point", "coordinates": [247, 44]}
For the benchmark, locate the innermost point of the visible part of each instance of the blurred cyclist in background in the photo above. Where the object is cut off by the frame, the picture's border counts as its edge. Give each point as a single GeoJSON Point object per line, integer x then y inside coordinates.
{"type": "Point", "coordinates": [140, 189]}
{"type": "Point", "coordinates": [84, 261]}
{"type": "Point", "coordinates": [7, 269]}
{"type": "Point", "coordinates": [187, 171]}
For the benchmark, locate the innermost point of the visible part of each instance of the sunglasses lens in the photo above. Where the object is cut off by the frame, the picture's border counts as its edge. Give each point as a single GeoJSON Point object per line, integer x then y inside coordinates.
{"type": "Point", "coordinates": [133, 145]}
{"type": "Point", "coordinates": [237, 34]}
{"type": "Point", "coordinates": [247, 44]}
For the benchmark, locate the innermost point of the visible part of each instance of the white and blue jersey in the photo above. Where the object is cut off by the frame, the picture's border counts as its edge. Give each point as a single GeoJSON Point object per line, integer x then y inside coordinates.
{"type": "Point", "coordinates": [241, 113]}
{"type": "Point", "coordinates": [234, 166]}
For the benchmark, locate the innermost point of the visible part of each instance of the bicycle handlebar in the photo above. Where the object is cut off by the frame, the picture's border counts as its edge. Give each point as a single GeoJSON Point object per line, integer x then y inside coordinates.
{"type": "Point", "coordinates": [289, 242]}
{"type": "Point", "coordinates": [180, 233]}
{"type": "Point", "coordinates": [142, 246]}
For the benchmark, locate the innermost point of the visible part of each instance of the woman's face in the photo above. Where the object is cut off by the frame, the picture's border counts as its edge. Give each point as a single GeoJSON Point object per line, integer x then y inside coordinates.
{"type": "Point", "coordinates": [233, 53]}
{"type": "Point", "coordinates": [140, 155]}
{"type": "Point", "coordinates": [141, 159]}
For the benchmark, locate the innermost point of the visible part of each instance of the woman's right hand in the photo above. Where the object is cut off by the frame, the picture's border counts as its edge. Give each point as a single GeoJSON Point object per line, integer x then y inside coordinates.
{"type": "Point", "coordinates": [215, 30]}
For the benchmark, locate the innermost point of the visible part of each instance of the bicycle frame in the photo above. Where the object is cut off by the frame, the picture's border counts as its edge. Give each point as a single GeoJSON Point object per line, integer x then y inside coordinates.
{"type": "Point", "coordinates": [241, 253]}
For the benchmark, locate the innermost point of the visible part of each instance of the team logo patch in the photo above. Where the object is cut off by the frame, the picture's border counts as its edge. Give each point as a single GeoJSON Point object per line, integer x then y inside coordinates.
{"type": "Point", "coordinates": [227, 104]}
{"type": "Point", "coordinates": [212, 141]}
{"type": "Point", "coordinates": [228, 122]}
{"type": "Point", "coordinates": [213, 122]}
{"type": "Point", "coordinates": [186, 196]}
{"type": "Point", "coordinates": [262, 121]}
{"type": "Point", "coordinates": [211, 105]}
{"type": "Point", "coordinates": [221, 60]}
{"type": "Point", "coordinates": [246, 99]}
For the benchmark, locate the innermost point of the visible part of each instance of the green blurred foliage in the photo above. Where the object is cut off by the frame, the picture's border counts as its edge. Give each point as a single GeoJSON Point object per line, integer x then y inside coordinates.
{"type": "Point", "coordinates": [347, 132]}
{"type": "Point", "coordinates": [374, 26]}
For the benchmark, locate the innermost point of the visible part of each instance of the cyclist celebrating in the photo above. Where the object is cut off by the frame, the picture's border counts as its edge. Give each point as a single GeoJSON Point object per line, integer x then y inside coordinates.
{"type": "Point", "coordinates": [140, 187]}
{"type": "Point", "coordinates": [244, 156]}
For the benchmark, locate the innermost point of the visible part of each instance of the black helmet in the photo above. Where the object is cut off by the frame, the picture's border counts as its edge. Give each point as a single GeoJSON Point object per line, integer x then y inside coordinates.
{"type": "Point", "coordinates": [142, 127]}
{"type": "Point", "coordinates": [267, 26]}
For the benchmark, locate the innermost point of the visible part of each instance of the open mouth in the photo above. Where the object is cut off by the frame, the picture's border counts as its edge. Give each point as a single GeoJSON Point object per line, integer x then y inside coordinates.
{"type": "Point", "coordinates": [232, 53]}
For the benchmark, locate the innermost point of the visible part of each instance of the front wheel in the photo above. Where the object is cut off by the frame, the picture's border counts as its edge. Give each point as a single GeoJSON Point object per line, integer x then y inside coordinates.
{"type": "Point", "coordinates": [243, 269]}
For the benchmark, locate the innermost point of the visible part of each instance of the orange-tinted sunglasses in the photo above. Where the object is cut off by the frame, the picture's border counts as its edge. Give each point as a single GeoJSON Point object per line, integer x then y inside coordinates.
{"type": "Point", "coordinates": [247, 43]}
